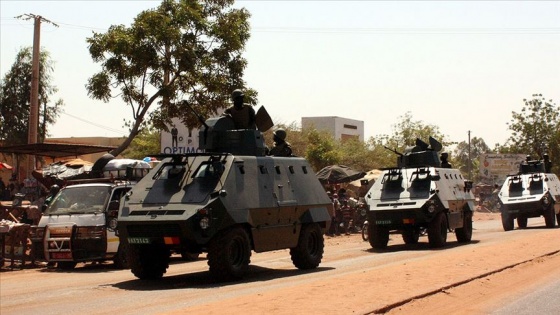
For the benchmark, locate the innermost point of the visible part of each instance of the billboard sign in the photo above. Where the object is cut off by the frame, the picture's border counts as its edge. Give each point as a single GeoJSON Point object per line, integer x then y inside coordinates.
{"type": "Point", "coordinates": [180, 139]}
{"type": "Point", "coordinates": [494, 168]}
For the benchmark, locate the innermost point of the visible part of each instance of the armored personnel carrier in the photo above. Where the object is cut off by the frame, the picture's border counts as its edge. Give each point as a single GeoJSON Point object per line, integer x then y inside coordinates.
{"type": "Point", "coordinates": [420, 193]}
{"type": "Point", "coordinates": [533, 192]}
{"type": "Point", "coordinates": [228, 201]}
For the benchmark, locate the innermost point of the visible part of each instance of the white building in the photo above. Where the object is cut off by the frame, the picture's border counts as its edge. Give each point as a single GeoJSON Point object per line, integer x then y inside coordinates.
{"type": "Point", "coordinates": [340, 128]}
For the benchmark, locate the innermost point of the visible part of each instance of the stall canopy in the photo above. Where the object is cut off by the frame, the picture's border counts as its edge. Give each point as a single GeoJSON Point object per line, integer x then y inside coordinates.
{"type": "Point", "coordinates": [335, 174]}
{"type": "Point", "coordinates": [55, 150]}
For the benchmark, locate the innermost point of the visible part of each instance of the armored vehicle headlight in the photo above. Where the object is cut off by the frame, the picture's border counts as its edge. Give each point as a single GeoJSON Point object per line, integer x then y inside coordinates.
{"type": "Point", "coordinates": [204, 223]}
{"type": "Point", "coordinates": [431, 208]}
{"type": "Point", "coordinates": [113, 224]}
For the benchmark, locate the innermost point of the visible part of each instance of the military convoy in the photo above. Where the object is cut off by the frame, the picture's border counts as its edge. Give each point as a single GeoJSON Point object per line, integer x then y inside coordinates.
{"type": "Point", "coordinates": [228, 201]}
{"type": "Point", "coordinates": [420, 193]}
{"type": "Point", "coordinates": [533, 192]}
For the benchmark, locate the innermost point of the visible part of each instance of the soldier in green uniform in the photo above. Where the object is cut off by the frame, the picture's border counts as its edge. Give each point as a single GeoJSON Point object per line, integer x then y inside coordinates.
{"type": "Point", "coordinates": [243, 115]}
{"type": "Point", "coordinates": [281, 147]}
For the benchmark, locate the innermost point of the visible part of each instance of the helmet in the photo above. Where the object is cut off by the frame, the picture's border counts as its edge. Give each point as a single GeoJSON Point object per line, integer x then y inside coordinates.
{"type": "Point", "coordinates": [280, 133]}
{"type": "Point", "coordinates": [237, 93]}
{"type": "Point", "coordinates": [54, 189]}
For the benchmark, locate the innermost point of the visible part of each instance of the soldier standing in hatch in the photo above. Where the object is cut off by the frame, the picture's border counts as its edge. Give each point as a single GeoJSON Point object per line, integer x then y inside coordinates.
{"type": "Point", "coordinates": [281, 147]}
{"type": "Point", "coordinates": [243, 115]}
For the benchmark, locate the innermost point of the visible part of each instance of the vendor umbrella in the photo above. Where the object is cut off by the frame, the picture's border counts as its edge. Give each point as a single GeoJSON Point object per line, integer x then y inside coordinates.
{"type": "Point", "coordinates": [5, 166]}
{"type": "Point", "coordinates": [336, 174]}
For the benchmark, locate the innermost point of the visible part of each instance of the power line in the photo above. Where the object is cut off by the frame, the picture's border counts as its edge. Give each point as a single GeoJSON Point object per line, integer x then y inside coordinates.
{"type": "Point", "coordinates": [95, 124]}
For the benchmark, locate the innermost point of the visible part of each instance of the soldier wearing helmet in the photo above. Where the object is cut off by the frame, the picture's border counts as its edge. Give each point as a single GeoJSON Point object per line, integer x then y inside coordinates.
{"type": "Point", "coordinates": [281, 147]}
{"type": "Point", "coordinates": [243, 115]}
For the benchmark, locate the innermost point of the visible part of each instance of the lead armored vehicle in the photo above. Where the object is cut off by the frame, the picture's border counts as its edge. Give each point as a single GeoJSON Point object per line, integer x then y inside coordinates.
{"type": "Point", "coordinates": [227, 202]}
{"type": "Point", "coordinates": [419, 193]}
{"type": "Point", "coordinates": [533, 192]}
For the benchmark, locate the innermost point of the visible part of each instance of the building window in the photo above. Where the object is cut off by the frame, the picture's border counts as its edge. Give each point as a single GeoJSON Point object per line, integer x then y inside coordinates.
{"type": "Point", "coordinates": [350, 126]}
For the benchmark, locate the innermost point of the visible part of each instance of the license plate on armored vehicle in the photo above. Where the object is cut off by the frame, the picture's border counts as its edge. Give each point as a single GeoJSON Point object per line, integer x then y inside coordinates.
{"type": "Point", "coordinates": [139, 240]}
{"type": "Point", "coordinates": [383, 222]}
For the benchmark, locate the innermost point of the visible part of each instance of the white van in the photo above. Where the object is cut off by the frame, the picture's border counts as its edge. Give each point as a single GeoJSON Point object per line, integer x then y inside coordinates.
{"type": "Point", "coordinates": [80, 225]}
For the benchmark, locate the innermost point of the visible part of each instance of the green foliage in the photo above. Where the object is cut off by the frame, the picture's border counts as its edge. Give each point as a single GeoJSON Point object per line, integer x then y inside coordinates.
{"type": "Point", "coordinates": [146, 143]}
{"type": "Point", "coordinates": [321, 149]}
{"type": "Point", "coordinates": [182, 52]}
{"type": "Point", "coordinates": [461, 156]}
{"type": "Point", "coordinates": [535, 130]}
{"type": "Point", "coordinates": [15, 98]}
{"type": "Point", "coordinates": [407, 130]}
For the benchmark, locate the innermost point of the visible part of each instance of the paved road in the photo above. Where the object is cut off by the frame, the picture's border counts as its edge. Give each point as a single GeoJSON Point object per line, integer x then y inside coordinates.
{"type": "Point", "coordinates": [352, 278]}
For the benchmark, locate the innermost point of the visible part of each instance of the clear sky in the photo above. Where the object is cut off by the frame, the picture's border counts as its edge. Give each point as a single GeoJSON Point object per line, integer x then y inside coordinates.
{"type": "Point", "coordinates": [460, 65]}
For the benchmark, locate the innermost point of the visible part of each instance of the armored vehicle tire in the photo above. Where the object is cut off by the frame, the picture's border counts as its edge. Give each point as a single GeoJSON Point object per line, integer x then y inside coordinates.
{"type": "Point", "coordinates": [507, 222]}
{"type": "Point", "coordinates": [378, 236]}
{"type": "Point", "coordinates": [522, 222]}
{"type": "Point", "coordinates": [558, 218]}
{"type": "Point", "coordinates": [188, 256]}
{"type": "Point", "coordinates": [464, 234]}
{"type": "Point", "coordinates": [66, 265]}
{"type": "Point", "coordinates": [411, 236]}
{"type": "Point", "coordinates": [309, 251]}
{"type": "Point", "coordinates": [120, 260]}
{"type": "Point", "coordinates": [437, 231]}
{"type": "Point", "coordinates": [148, 262]}
{"type": "Point", "coordinates": [229, 254]}
{"type": "Point", "coordinates": [549, 217]}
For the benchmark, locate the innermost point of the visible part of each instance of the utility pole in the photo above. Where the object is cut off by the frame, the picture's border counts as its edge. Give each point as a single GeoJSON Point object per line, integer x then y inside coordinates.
{"type": "Point", "coordinates": [33, 122]}
{"type": "Point", "coordinates": [470, 161]}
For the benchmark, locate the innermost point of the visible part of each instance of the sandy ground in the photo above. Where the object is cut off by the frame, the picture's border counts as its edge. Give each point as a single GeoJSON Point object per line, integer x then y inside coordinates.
{"type": "Point", "coordinates": [472, 278]}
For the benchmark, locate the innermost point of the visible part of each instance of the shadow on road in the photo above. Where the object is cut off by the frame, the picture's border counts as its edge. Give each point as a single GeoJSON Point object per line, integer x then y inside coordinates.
{"type": "Point", "coordinates": [204, 279]}
{"type": "Point", "coordinates": [420, 246]}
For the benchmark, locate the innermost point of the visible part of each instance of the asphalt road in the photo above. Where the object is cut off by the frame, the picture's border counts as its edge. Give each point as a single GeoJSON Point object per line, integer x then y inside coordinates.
{"type": "Point", "coordinates": [351, 279]}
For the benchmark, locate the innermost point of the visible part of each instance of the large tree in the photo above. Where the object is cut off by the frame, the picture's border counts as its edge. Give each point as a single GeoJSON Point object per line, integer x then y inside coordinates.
{"type": "Point", "coordinates": [182, 52]}
{"type": "Point", "coordinates": [462, 159]}
{"type": "Point", "coordinates": [535, 128]}
{"type": "Point", "coordinates": [15, 98]}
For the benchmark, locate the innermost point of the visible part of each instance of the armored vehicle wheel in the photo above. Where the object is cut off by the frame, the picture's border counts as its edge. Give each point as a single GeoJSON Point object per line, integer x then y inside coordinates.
{"type": "Point", "coordinates": [229, 254]}
{"type": "Point", "coordinates": [507, 222]}
{"type": "Point", "coordinates": [558, 218]}
{"type": "Point", "coordinates": [121, 257]}
{"type": "Point", "coordinates": [188, 256]}
{"type": "Point", "coordinates": [411, 236]}
{"type": "Point", "coordinates": [437, 231]}
{"type": "Point", "coordinates": [464, 234]}
{"type": "Point", "coordinates": [148, 261]}
{"type": "Point", "coordinates": [378, 236]}
{"type": "Point", "coordinates": [66, 265]}
{"type": "Point", "coordinates": [549, 217]}
{"type": "Point", "coordinates": [309, 250]}
{"type": "Point", "coordinates": [522, 222]}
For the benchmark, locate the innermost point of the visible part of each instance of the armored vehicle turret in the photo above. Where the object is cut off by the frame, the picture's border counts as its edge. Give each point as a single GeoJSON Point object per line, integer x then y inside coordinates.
{"type": "Point", "coordinates": [533, 192]}
{"type": "Point", "coordinates": [422, 192]}
{"type": "Point", "coordinates": [228, 201]}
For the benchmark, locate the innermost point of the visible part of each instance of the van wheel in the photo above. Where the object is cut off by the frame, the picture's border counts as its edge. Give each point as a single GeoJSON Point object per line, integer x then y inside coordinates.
{"type": "Point", "coordinates": [507, 221]}
{"type": "Point", "coordinates": [549, 217]}
{"type": "Point", "coordinates": [378, 236]}
{"type": "Point", "coordinates": [437, 231]}
{"type": "Point", "coordinates": [148, 262]}
{"type": "Point", "coordinates": [522, 222]}
{"type": "Point", "coordinates": [464, 234]}
{"type": "Point", "coordinates": [309, 251]}
{"type": "Point", "coordinates": [229, 254]}
{"type": "Point", "coordinates": [120, 260]}
{"type": "Point", "coordinates": [66, 265]}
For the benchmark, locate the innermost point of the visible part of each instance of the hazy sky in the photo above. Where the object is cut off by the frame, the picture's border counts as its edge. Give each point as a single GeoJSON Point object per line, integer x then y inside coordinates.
{"type": "Point", "coordinates": [460, 65]}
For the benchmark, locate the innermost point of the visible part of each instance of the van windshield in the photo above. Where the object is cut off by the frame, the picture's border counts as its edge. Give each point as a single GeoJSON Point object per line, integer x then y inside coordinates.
{"type": "Point", "coordinates": [80, 200]}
